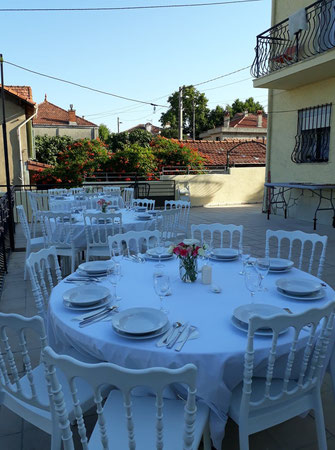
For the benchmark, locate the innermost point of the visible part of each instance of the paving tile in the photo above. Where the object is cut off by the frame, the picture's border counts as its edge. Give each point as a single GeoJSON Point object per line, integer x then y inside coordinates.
{"type": "Point", "coordinates": [35, 439]}
{"type": "Point", "coordinates": [10, 423]}
{"type": "Point", "coordinates": [11, 442]}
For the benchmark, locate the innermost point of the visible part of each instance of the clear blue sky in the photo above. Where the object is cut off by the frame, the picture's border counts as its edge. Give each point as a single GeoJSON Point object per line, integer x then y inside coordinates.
{"type": "Point", "coordinates": [143, 54]}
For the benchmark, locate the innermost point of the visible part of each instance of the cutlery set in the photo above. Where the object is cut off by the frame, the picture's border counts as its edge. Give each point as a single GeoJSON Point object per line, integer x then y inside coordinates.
{"type": "Point", "coordinates": [97, 316]}
{"type": "Point", "coordinates": [178, 335]}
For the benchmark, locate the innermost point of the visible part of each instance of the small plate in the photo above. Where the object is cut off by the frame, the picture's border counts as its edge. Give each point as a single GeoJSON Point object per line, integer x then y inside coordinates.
{"type": "Point", "coordinates": [215, 258]}
{"type": "Point", "coordinates": [96, 267]}
{"type": "Point", "coordinates": [224, 253]}
{"type": "Point", "coordinates": [86, 295]}
{"type": "Point", "coordinates": [139, 320]}
{"type": "Point", "coordinates": [260, 332]}
{"type": "Point", "coordinates": [310, 297]}
{"type": "Point", "coordinates": [68, 305]}
{"type": "Point", "coordinates": [152, 253]}
{"type": "Point", "coordinates": [243, 312]}
{"type": "Point", "coordinates": [298, 286]}
{"type": "Point", "coordinates": [143, 336]}
{"type": "Point", "coordinates": [278, 264]}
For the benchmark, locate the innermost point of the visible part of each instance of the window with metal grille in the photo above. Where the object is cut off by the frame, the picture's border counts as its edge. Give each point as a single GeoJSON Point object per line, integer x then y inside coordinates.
{"type": "Point", "coordinates": [312, 139]}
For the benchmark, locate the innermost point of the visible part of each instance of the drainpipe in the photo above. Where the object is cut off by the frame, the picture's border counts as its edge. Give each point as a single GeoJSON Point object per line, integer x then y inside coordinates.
{"type": "Point", "coordinates": [20, 149]}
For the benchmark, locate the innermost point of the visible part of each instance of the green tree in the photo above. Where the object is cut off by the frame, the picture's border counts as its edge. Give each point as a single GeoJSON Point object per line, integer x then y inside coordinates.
{"type": "Point", "coordinates": [216, 117]}
{"type": "Point", "coordinates": [248, 105]}
{"type": "Point", "coordinates": [104, 133]}
{"type": "Point", "coordinates": [48, 147]}
{"type": "Point", "coordinates": [191, 96]}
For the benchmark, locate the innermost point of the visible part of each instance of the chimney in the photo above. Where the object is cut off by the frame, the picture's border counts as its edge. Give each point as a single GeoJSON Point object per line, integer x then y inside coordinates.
{"type": "Point", "coordinates": [226, 120]}
{"type": "Point", "coordinates": [72, 116]}
{"type": "Point", "coordinates": [148, 127]}
{"type": "Point", "coordinates": [245, 113]}
{"type": "Point", "coordinates": [259, 119]}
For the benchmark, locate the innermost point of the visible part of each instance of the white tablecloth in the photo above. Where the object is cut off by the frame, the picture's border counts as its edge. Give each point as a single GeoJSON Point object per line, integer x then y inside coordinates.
{"type": "Point", "coordinates": [219, 351]}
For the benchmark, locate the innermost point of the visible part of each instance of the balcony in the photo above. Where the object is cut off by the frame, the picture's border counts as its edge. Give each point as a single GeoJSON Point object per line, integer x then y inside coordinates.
{"type": "Point", "coordinates": [284, 61]}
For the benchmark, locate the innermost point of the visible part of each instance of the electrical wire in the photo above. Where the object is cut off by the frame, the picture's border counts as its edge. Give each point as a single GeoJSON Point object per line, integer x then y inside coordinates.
{"type": "Point", "coordinates": [222, 76]}
{"type": "Point", "coordinates": [123, 8]}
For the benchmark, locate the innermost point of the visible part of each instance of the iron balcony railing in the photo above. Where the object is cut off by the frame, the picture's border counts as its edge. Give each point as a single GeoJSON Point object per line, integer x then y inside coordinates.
{"type": "Point", "coordinates": [276, 48]}
{"type": "Point", "coordinates": [5, 229]}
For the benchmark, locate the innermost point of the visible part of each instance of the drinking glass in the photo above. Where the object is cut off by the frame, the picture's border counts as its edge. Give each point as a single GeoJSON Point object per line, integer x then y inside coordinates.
{"type": "Point", "coordinates": [160, 250]}
{"type": "Point", "coordinates": [208, 250]}
{"type": "Point", "coordinates": [162, 288]}
{"type": "Point", "coordinates": [245, 253]}
{"type": "Point", "coordinates": [114, 274]}
{"type": "Point", "coordinates": [263, 267]}
{"type": "Point", "coordinates": [252, 280]}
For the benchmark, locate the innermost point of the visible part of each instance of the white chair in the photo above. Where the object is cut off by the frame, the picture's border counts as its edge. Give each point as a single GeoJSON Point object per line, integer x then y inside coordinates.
{"type": "Point", "coordinates": [167, 223]}
{"type": "Point", "coordinates": [91, 200]}
{"type": "Point", "coordinates": [259, 403]}
{"type": "Point", "coordinates": [209, 233]}
{"type": "Point", "coordinates": [98, 227]}
{"type": "Point", "coordinates": [112, 190]}
{"type": "Point", "coordinates": [149, 204]}
{"type": "Point", "coordinates": [28, 394]}
{"type": "Point", "coordinates": [115, 200]}
{"type": "Point", "coordinates": [125, 420]}
{"type": "Point", "coordinates": [38, 202]}
{"type": "Point", "coordinates": [45, 274]}
{"type": "Point", "coordinates": [58, 191]}
{"type": "Point", "coordinates": [182, 226]}
{"type": "Point", "coordinates": [32, 244]}
{"type": "Point", "coordinates": [58, 230]}
{"type": "Point", "coordinates": [132, 242]}
{"type": "Point", "coordinates": [184, 192]}
{"type": "Point", "coordinates": [301, 246]}
{"type": "Point", "coordinates": [76, 191]}
{"type": "Point", "coordinates": [127, 196]}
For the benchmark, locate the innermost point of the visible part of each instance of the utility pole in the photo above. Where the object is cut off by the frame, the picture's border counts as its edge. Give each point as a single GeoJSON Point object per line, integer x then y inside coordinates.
{"type": "Point", "coordinates": [118, 124]}
{"type": "Point", "coordinates": [5, 148]}
{"type": "Point", "coordinates": [180, 119]}
{"type": "Point", "coordinates": [193, 105]}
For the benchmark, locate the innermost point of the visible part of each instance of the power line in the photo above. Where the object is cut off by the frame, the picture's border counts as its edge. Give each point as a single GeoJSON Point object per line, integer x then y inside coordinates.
{"type": "Point", "coordinates": [83, 86]}
{"type": "Point", "coordinates": [123, 8]}
{"type": "Point", "coordinates": [222, 76]}
{"type": "Point", "coordinates": [229, 84]}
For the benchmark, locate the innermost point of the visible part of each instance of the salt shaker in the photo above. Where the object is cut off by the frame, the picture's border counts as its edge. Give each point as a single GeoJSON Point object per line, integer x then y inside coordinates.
{"type": "Point", "coordinates": [206, 277]}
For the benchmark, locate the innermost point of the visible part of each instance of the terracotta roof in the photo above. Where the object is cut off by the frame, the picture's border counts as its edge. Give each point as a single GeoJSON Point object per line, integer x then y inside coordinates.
{"type": "Point", "coordinates": [23, 92]}
{"type": "Point", "coordinates": [250, 152]}
{"type": "Point", "coordinates": [240, 120]}
{"type": "Point", "coordinates": [50, 114]}
{"type": "Point", "coordinates": [143, 126]}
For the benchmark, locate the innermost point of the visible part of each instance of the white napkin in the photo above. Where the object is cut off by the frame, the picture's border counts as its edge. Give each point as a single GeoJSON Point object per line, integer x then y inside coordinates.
{"type": "Point", "coordinates": [297, 22]}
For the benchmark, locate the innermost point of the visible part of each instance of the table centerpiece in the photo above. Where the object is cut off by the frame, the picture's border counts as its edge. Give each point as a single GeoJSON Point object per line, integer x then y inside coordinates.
{"type": "Point", "coordinates": [188, 251]}
{"type": "Point", "coordinates": [103, 204]}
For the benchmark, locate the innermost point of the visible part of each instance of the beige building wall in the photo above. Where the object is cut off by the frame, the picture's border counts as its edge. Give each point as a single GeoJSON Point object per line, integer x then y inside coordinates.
{"type": "Point", "coordinates": [15, 114]}
{"type": "Point", "coordinates": [75, 132]}
{"type": "Point", "coordinates": [281, 9]}
{"type": "Point", "coordinates": [243, 185]}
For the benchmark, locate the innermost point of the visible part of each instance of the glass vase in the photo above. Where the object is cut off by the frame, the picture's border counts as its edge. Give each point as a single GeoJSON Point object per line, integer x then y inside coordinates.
{"type": "Point", "coordinates": [188, 269]}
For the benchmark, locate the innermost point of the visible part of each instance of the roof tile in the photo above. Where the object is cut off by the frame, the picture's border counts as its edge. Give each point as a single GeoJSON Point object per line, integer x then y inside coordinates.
{"type": "Point", "coordinates": [50, 114]}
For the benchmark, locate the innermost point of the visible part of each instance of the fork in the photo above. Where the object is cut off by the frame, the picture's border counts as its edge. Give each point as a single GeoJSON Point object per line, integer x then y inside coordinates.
{"type": "Point", "coordinates": [98, 316]}
{"type": "Point", "coordinates": [190, 330]}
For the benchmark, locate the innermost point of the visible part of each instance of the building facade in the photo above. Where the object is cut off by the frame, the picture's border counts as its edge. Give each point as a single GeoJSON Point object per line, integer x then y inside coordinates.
{"type": "Point", "coordinates": [295, 60]}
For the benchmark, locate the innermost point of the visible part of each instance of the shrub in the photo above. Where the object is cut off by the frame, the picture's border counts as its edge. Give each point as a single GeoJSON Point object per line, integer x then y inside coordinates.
{"type": "Point", "coordinates": [48, 147]}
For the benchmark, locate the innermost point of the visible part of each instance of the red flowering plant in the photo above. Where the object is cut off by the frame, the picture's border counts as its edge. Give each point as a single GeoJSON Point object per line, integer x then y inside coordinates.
{"type": "Point", "coordinates": [187, 251]}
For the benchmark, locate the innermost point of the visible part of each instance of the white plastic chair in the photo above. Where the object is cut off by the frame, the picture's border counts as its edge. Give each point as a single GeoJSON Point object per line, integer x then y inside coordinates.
{"type": "Point", "coordinates": [45, 274]}
{"type": "Point", "coordinates": [28, 394]}
{"type": "Point", "coordinates": [149, 204]}
{"type": "Point", "coordinates": [115, 200]}
{"type": "Point", "coordinates": [111, 190]}
{"type": "Point", "coordinates": [208, 233]}
{"type": "Point", "coordinates": [167, 223]}
{"type": "Point", "coordinates": [32, 244]}
{"type": "Point", "coordinates": [38, 202]}
{"type": "Point", "coordinates": [259, 403]}
{"type": "Point", "coordinates": [132, 242]}
{"type": "Point", "coordinates": [91, 200]}
{"type": "Point", "coordinates": [76, 191]}
{"type": "Point", "coordinates": [98, 227]}
{"type": "Point", "coordinates": [182, 226]}
{"type": "Point", "coordinates": [58, 230]}
{"type": "Point", "coordinates": [125, 420]}
{"type": "Point", "coordinates": [301, 246]}
{"type": "Point", "coordinates": [127, 196]}
{"type": "Point", "coordinates": [58, 191]}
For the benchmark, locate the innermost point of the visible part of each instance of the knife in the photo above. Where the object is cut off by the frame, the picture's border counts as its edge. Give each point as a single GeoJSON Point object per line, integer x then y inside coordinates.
{"type": "Point", "coordinates": [176, 336]}
{"type": "Point", "coordinates": [186, 338]}
{"type": "Point", "coordinates": [97, 318]}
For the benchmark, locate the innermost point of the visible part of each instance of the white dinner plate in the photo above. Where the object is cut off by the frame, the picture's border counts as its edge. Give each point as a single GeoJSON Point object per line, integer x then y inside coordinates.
{"type": "Point", "coordinates": [225, 253]}
{"type": "Point", "coordinates": [143, 336]}
{"type": "Point", "coordinates": [96, 267]}
{"type": "Point", "coordinates": [152, 253]}
{"type": "Point", "coordinates": [298, 286]}
{"type": "Point", "coordinates": [101, 304]}
{"type": "Point", "coordinates": [215, 258]}
{"type": "Point", "coordinates": [310, 297]}
{"type": "Point", "coordinates": [146, 217]}
{"type": "Point", "coordinates": [278, 264]}
{"type": "Point", "coordinates": [243, 312]}
{"type": "Point", "coordinates": [141, 209]}
{"type": "Point", "coordinates": [86, 295]}
{"type": "Point", "coordinates": [260, 332]}
{"type": "Point", "coordinates": [139, 320]}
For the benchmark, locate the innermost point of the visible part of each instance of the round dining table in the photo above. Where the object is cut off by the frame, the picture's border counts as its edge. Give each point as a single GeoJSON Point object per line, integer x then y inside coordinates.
{"type": "Point", "coordinates": [218, 352]}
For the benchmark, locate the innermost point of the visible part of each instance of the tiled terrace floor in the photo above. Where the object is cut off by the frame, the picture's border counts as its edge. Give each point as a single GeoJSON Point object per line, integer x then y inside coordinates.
{"type": "Point", "coordinates": [296, 434]}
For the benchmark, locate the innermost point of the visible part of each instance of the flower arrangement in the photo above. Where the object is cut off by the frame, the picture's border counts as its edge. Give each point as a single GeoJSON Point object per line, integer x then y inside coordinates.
{"type": "Point", "coordinates": [103, 204]}
{"type": "Point", "coordinates": [187, 251]}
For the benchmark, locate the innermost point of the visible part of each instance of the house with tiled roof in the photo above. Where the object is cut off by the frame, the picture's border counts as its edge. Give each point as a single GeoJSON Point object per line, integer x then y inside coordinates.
{"type": "Point", "coordinates": [242, 125]}
{"type": "Point", "coordinates": [19, 111]}
{"type": "Point", "coordinates": [153, 129]}
{"type": "Point", "coordinates": [51, 120]}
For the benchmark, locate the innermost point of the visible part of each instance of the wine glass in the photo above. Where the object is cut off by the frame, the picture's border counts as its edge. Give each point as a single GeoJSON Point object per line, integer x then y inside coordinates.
{"type": "Point", "coordinates": [245, 253]}
{"type": "Point", "coordinates": [114, 275]}
{"type": "Point", "coordinates": [162, 288]}
{"type": "Point", "coordinates": [262, 267]}
{"type": "Point", "coordinates": [160, 250]}
{"type": "Point", "coordinates": [208, 244]}
{"type": "Point", "coordinates": [252, 280]}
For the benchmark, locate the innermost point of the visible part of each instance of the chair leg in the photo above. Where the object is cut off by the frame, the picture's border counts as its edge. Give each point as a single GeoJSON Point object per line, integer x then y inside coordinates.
{"type": "Point", "coordinates": [244, 439]}
{"type": "Point", "coordinates": [320, 423]}
{"type": "Point", "coordinates": [206, 437]}
{"type": "Point", "coordinates": [331, 367]}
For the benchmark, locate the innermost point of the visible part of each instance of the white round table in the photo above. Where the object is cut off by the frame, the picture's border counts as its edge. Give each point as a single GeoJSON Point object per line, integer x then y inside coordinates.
{"type": "Point", "coordinates": [218, 352]}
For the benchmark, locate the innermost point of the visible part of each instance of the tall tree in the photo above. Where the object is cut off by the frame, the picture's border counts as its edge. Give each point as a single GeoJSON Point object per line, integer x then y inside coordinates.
{"type": "Point", "coordinates": [192, 99]}
{"type": "Point", "coordinates": [249, 105]}
{"type": "Point", "coordinates": [104, 132]}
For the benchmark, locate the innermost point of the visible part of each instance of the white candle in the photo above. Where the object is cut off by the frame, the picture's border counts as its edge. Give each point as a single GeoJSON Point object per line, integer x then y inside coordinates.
{"type": "Point", "coordinates": [206, 277]}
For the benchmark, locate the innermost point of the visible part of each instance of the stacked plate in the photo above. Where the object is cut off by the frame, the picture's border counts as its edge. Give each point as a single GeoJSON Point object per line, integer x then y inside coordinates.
{"type": "Point", "coordinates": [278, 265]}
{"type": "Point", "coordinates": [86, 297]}
{"type": "Point", "coordinates": [144, 216]}
{"type": "Point", "coordinates": [300, 288]}
{"type": "Point", "coordinates": [140, 323]}
{"type": "Point", "coordinates": [224, 254]}
{"type": "Point", "coordinates": [95, 268]}
{"type": "Point", "coordinates": [140, 209]}
{"type": "Point", "coordinates": [151, 253]}
{"type": "Point", "coordinates": [152, 212]}
{"type": "Point", "coordinates": [241, 315]}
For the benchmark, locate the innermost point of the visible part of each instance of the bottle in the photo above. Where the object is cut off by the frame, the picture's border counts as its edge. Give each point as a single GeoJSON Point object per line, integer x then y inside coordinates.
{"type": "Point", "coordinates": [206, 276]}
